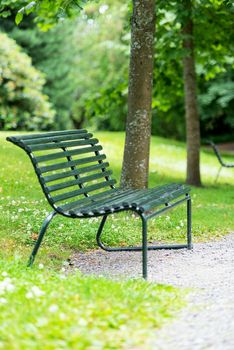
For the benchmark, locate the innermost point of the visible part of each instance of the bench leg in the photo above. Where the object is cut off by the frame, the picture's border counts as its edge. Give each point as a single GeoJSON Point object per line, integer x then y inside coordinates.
{"type": "Point", "coordinates": [218, 173]}
{"type": "Point", "coordinates": [189, 223]}
{"type": "Point", "coordinates": [143, 248]}
{"type": "Point", "coordinates": [40, 237]}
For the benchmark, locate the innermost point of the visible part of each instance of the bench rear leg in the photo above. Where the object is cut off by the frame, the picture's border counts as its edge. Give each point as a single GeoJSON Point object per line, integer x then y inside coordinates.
{"type": "Point", "coordinates": [40, 237]}
{"type": "Point", "coordinates": [218, 173]}
{"type": "Point", "coordinates": [189, 223]}
{"type": "Point", "coordinates": [143, 248]}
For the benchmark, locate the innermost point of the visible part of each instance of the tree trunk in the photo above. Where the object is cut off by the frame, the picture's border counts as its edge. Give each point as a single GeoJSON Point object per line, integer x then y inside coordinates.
{"type": "Point", "coordinates": [138, 127]}
{"type": "Point", "coordinates": [191, 109]}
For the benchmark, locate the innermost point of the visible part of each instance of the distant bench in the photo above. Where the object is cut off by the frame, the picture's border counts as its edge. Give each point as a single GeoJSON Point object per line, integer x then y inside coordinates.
{"type": "Point", "coordinates": [222, 163]}
{"type": "Point", "coordinates": [75, 179]}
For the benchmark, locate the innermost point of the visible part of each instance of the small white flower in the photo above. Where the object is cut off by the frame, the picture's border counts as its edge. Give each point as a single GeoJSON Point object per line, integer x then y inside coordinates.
{"type": "Point", "coordinates": [29, 295]}
{"type": "Point", "coordinates": [6, 285]}
{"type": "Point", "coordinates": [62, 316]}
{"type": "Point", "coordinates": [4, 274]}
{"type": "Point", "coordinates": [177, 227]}
{"type": "Point", "coordinates": [37, 291]}
{"type": "Point", "coordinates": [3, 301]}
{"type": "Point", "coordinates": [167, 217]}
{"type": "Point", "coordinates": [41, 266]}
{"type": "Point", "coordinates": [53, 308]}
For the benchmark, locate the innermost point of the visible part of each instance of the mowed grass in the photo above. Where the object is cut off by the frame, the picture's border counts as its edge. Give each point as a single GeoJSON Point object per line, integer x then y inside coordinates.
{"type": "Point", "coordinates": [41, 309]}
{"type": "Point", "coordinates": [45, 308]}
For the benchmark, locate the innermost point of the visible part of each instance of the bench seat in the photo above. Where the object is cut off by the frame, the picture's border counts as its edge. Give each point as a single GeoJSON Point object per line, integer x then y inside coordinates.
{"type": "Point", "coordinates": [140, 200]}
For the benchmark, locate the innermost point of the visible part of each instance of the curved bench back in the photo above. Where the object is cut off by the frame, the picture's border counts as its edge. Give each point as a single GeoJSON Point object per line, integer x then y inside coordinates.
{"type": "Point", "coordinates": [68, 164]}
{"type": "Point", "coordinates": [216, 151]}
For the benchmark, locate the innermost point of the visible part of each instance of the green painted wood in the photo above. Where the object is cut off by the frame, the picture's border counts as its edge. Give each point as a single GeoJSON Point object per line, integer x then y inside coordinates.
{"type": "Point", "coordinates": [88, 200]}
{"type": "Point", "coordinates": [87, 189]}
{"type": "Point", "coordinates": [62, 144]}
{"type": "Point", "coordinates": [162, 200]}
{"type": "Point", "coordinates": [78, 181]}
{"type": "Point", "coordinates": [70, 164]}
{"type": "Point", "coordinates": [79, 171]}
{"type": "Point", "coordinates": [49, 134]}
{"type": "Point", "coordinates": [54, 139]}
{"type": "Point", "coordinates": [69, 153]}
{"type": "Point", "coordinates": [133, 198]}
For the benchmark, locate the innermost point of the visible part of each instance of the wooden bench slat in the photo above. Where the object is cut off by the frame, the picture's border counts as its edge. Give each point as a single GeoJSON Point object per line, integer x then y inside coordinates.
{"type": "Point", "coordinates": [87, 189]}
{"type": "Point", "coordinates": [79, 181]}
{"type": "Point", "coordinates": [87, 200]}
{"type": "Point", "coordinates": [54, 139]}
{"type": "Point", "coordinates": [50, 133]}
{"type": "Point", "coordinates": [69, 153]}
{"type": "Point", "coordinates": [62, 144]}
{"type": "Point", "coordinates": [157, 198]}
{"type": "Point", "coordinates": [125, 198]}
{"type": "Point", "coordinates": [162, 200]}
{"type": "Point", "coordinates": [72, 163]}
{"type": "Point", "coordinates": [75, 172]}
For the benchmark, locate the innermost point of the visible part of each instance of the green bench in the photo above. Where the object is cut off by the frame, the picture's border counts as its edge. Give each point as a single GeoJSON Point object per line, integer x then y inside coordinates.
{"type": "Point", "coordinates": [218, 155]}
{"type": "Point", "coordinates": [77, 183]}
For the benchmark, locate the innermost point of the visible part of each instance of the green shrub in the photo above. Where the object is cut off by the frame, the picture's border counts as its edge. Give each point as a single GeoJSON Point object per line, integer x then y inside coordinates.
{"type": "Point", "coordinates": [22, 103]}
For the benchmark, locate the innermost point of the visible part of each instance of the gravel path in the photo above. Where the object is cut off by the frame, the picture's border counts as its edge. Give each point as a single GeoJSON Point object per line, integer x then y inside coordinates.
{"type": "Point", "coordinates": [208, 321]}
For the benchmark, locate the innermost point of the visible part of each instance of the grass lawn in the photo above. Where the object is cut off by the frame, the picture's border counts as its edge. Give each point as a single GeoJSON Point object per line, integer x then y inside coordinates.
{"type": "Point", "coordinates": [45, 308]}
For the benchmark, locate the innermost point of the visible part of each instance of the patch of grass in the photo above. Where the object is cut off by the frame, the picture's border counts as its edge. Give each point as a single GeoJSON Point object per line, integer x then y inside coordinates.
{"type": "Point", "coordinates": [43, 309]}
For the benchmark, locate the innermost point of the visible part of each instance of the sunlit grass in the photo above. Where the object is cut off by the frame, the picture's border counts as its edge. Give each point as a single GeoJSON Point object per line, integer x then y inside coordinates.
{"type": "Point", "coordinates": [42, 309]}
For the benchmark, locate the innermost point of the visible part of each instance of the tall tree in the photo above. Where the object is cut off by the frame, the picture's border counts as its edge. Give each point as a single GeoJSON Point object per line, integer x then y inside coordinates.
{"type": "Point", "coordinates": [191, 107]}
{"type": "Point", "coordinates": [138, 127]}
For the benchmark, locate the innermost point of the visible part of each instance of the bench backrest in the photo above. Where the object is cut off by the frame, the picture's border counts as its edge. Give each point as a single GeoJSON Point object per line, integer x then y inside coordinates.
{"type": "Point", "coordinates": [68, 164]}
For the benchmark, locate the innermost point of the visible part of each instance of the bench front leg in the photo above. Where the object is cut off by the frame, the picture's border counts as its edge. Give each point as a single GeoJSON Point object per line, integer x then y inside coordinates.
{"type": "Point", "coordinates": [44, 227]}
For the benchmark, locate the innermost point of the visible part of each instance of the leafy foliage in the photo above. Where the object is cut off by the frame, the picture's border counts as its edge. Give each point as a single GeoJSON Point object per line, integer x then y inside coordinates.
{"type": "Point", "coordinates": [94, 91]}
{"type": "Point", "coordinates": [102, 66]}
{"type": "Point", "coordinates": [22, 103]}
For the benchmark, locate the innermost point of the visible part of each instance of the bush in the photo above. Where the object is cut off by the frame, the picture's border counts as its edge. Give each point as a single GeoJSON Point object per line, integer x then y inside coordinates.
{"type": "Point", "coordinates": [22, 103]}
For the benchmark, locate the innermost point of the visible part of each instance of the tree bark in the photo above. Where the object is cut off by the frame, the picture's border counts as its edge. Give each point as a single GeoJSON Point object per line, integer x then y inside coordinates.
{"type": "Point", "coordinates": [191, 109]}
{"type": "Point", "coordinates": [138, 126]}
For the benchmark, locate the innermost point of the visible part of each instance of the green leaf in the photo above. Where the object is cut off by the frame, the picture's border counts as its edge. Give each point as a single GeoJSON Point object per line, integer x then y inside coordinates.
{"type": "Point", "coordinates": [19, 17]}
{"type": "Point", "coordinates": [5, 14]}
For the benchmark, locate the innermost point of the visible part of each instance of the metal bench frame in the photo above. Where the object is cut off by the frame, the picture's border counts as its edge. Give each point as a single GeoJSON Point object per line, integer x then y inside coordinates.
{"type": "Point", "coordinates": [222, 163]}
{"type": "Point", "coordinates": [164, 199]}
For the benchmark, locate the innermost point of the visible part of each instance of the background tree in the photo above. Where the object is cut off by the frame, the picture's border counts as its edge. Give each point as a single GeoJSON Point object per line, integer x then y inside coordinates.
{"type": "Point", "coordinates": [53, 53]}
{"type": "Point", "coordinates": [22, 103]}
{"type": "Point", "coordinates": [193, 138]}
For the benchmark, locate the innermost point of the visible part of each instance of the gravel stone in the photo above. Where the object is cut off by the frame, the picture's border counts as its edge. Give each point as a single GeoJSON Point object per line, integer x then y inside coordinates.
{"type": "Point", "coordinates": [207, 323]}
